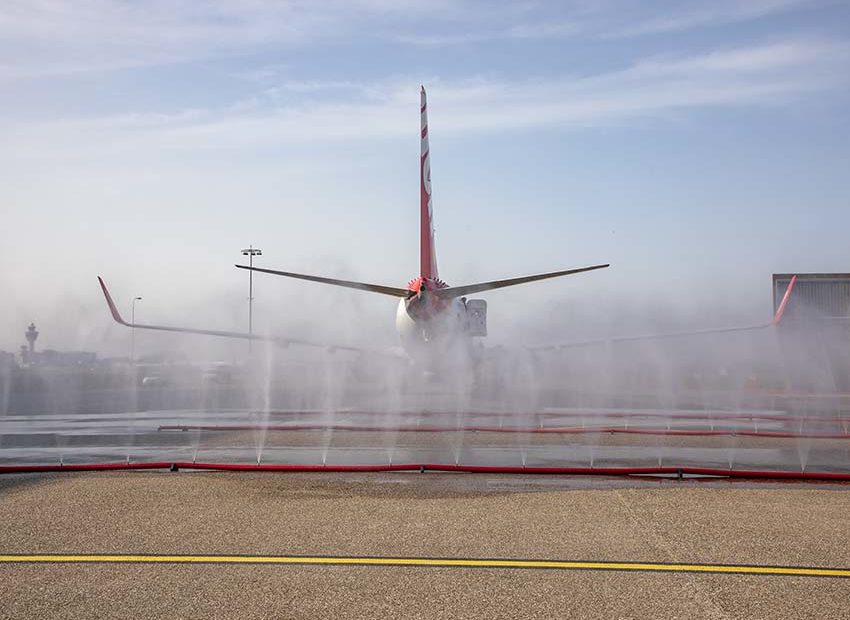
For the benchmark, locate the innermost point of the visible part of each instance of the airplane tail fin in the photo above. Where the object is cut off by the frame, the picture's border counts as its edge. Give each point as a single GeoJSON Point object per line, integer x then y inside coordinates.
{"type": "Point", "coordinates": [427, 252]}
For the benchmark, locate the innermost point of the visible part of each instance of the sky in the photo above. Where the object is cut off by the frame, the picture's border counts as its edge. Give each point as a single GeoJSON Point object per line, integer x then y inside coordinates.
{"type": "Point", "coordinates": [698, 147]}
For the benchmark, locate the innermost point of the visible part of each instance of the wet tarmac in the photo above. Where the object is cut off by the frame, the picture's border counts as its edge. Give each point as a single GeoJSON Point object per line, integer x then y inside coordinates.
{"type": "Point", "coordinates": [759, 439]}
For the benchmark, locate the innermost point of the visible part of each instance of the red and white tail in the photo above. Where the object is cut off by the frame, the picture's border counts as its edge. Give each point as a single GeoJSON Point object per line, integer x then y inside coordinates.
{"type": "Point", "coordinates": [427, 252]}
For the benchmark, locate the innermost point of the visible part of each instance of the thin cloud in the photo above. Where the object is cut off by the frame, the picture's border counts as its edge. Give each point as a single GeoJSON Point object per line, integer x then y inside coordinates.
{"type": "Point", "coordinates": [689, 16]}
{"type": "Point", "coordinates": [765, 75]}
{"type": "Point", "coordinates": [51, 37]}
{"type": "Point", "coordinates": [606, 20]}
{"type": "Point", "coordinates": [54, 38]}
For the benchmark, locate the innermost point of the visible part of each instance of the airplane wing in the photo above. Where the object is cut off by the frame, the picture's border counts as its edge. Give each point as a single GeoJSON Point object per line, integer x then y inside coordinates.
{"type": "Point", "coordinates": [780, 311]}
{"type": "Point", "coordinates": [361, 286]}
{"type": "Point", "coordinates": [470, 289]}
{"type": "Point", "coordinates": [212, 332]}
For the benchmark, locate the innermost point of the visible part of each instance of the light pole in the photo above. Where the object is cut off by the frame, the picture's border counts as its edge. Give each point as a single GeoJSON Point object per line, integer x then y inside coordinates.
{"type": "Point", "coordinates": [133, 329]}
{"type": "Point", "coordinates": [251, 252]}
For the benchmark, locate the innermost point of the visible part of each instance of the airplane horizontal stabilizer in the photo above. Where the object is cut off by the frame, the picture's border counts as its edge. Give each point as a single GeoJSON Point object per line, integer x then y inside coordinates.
{"type": "Point", "coordinates": [361, 286]}
{"type": "Point", "coordinates": [470, 289]}
{"type": "Point", "coordinates": [211, 332]}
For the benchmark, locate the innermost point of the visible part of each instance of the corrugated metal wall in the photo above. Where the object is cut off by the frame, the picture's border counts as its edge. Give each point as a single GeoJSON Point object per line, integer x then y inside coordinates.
{"type": "Point", "coordinates": [814, 335]}
{"type": "Point", "coordinates": [815, 295]}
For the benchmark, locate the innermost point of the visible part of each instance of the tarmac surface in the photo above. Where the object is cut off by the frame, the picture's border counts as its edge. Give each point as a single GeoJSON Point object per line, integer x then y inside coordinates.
{"type": "Point", "coordinates": [751, 439]}
{"type": "Point", "coordinates": [402, 545]}
{"type": "Point", "coordinates": [459, 516]}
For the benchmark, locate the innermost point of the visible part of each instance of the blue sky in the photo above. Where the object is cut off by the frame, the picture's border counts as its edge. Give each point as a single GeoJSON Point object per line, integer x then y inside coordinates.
{"type": "Point", "coordinates": [697, 146]}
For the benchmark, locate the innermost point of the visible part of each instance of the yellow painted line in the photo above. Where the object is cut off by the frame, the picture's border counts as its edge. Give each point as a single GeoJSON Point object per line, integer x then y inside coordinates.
{"type": "Point", "coordinates": [423, 562]}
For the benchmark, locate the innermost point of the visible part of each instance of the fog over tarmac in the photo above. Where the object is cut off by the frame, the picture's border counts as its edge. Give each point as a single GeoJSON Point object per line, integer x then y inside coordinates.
{"type": "Point", "coordinates": [697, 148]}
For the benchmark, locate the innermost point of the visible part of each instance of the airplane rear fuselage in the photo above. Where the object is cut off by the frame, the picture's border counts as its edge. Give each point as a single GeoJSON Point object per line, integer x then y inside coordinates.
{"type": "Point", "coordinates": [423, 319]}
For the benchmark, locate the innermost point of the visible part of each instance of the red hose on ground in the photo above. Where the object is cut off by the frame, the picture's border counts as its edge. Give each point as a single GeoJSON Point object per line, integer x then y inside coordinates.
{"type": "Point", "coordinates": [39, 469]}
{"type": "Point", "coordinates": [666, 471]}
{"type": "Point", "coordinates": [590, 413]}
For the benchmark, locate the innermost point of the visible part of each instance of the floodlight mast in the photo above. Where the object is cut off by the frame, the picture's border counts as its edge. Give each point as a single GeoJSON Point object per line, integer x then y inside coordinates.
{"type": "Point", "coordinates": [251, 252]}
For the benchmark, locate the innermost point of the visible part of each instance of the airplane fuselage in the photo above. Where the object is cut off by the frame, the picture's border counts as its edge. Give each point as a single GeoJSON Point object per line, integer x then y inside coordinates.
{"type": "Point", "coordinates": [424, 320]}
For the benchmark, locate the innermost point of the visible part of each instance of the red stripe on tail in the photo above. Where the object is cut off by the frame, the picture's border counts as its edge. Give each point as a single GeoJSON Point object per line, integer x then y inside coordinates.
{"type": "Point", "coordinates": [427, 254]}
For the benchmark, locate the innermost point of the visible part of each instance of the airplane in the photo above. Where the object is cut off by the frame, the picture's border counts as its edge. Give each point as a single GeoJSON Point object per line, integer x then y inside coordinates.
{"type": "Point", "coordinates": [432, 317]}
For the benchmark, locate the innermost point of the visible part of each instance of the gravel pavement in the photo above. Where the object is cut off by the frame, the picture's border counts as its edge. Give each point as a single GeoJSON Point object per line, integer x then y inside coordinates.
{"type": "Point", "coordinates": [420, 515]}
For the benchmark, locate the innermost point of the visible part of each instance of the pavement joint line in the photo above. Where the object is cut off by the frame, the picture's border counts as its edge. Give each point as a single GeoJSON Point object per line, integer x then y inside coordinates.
{"type": "Point", "coordinates": [664, 567]}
